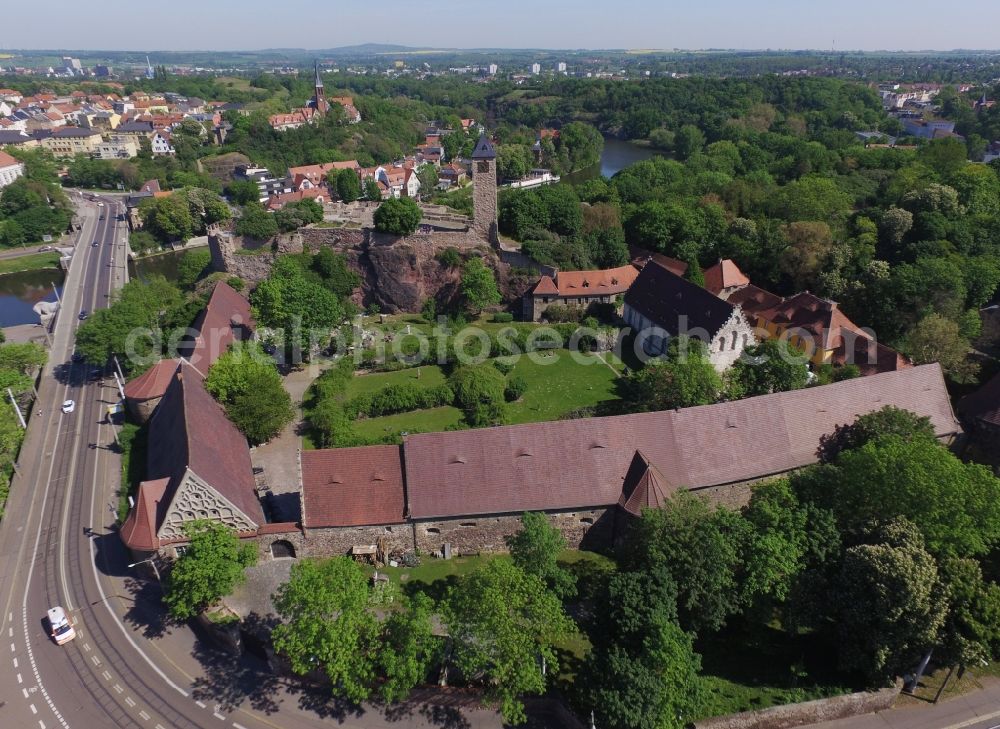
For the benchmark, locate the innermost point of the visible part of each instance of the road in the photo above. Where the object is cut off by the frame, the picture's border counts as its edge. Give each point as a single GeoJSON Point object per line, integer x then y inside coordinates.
{"type": "Point", "coordinates": [128, 666]}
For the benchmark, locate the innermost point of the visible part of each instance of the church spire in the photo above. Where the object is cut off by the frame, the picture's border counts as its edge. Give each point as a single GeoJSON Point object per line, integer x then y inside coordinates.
{"type": "Point", "coordinates": [319, 97]}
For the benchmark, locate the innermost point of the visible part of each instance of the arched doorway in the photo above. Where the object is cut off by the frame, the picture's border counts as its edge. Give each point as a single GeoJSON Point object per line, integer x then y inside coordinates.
{"type": "Point", "coordinates": [282, 549]}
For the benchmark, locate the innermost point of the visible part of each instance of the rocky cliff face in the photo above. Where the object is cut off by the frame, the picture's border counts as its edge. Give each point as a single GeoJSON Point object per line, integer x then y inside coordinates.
{"type": "Point", "coordinates": [398, 274]}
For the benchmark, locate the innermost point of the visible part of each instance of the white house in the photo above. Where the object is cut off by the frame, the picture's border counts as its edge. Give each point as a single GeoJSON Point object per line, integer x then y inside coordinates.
{"type": "Point", "coordinates": [10, 169]}
{"type": "Point", "coordinates": [160, 143]}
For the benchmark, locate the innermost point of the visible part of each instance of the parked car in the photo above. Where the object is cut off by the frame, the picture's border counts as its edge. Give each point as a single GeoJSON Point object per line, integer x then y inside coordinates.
{"type": "Point", "coordinates": [83, 314]}
{"type": "Point", "coordinates": [69, 406]}
{"type": "Point", "coordinates": [59, 626]}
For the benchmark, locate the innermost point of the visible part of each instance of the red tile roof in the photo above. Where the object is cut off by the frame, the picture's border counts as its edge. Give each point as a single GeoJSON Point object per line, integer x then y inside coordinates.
{"type": "Point", "coordinates": [225, 319]}
{"type": "Point", "coordinates": [574, 464]}
{"type": "Point", "coordinates": [189, 429]}
{"type": "Point", "coordinates": [753, 299]}
{"type": "Point", "coordinates": [545, 287]}
{"type": "Point", "coordinates": [724, 275]}
{"type": "Point", "coordinates": [352, 487]}
{"type": "Point", "coordinates": [152, 383]}
{"type": "Point", "coordinates": [608, 282]}
{"type": "Point", "coordinates": [7, 160]}
{"type": "Point", "coordinates": [139, 529]}
{"type": "Point", "coordinates": [319, 193]}
{"type": "Point", "coordinates": [317, 173]}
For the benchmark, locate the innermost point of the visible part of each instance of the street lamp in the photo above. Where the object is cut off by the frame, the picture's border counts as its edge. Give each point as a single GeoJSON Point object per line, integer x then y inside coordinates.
{"type": "Point", "coordinates": [152, 562]}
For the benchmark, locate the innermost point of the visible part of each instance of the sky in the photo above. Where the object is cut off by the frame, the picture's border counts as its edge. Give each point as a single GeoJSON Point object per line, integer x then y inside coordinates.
{"type": "Point", "coordinates": [557, 24]}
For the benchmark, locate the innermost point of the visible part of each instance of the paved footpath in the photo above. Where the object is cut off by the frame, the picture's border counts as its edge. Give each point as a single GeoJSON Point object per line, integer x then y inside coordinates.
{"type": "Point", "coordinates": [974, 710]}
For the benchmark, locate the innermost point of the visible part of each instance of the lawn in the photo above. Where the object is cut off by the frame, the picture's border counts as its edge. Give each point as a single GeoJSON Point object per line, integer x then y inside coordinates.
{"type": "Point", "coordinates": [559, 384]}
{"type": "Point", "coordinates": [426, 376]}
{"type": "Point", "coordinates": [432, 420]}
{"type": "Point", "coordinates": [31, 262]}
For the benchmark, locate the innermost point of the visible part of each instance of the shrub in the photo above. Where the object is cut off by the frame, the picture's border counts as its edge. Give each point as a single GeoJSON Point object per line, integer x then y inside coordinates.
{"type": "Point", "coordinates": [397, 216]}
{"type": "Point", "coordinates": [449, 257]}
{"type": "Point", "coordinates": [505, 368]}
{"type": "Point", "coordinates": [399, 398]}
{"type": "Point", "coordinates": [503, 317]}
{"type": "Point", "coordinates": [236, 283]}
{"type": "Point", "coordinates": [516, 387]}
{"type": "Point", "coordinates": [563, 313]}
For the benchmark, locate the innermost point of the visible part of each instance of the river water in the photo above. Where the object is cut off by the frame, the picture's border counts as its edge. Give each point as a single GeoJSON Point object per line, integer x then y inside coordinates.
{"type": "Point", "coordinates": [617, 155]}
{"type": "Point", "coordinates": [19, 292]}
{"type": "Point", "coordinates": [161, 264]}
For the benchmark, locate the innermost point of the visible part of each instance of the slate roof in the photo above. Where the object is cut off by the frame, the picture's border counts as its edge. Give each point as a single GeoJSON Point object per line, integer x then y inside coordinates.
{"type": "Point", "coordinates": [144, 127]}
{"type": "Point", "coordinates": [664, 298]}
{"type": "Point", "coordinates": [753, 299]}
{"type": "Point", "coordinates": [575, 464]}
{"type": "Point", "coordinates": [484, 149]}
{"type": "Point", "coordinates": [74, 133]}
{"type": "Point", "coordinates": [352, 486]}
{"type": "Point", "coordinates": [13, 137]}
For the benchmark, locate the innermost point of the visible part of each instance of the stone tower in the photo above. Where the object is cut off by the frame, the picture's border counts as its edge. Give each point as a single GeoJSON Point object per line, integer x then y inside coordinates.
{"type": "Point", "coordinates": [484, 191]}
{"type": "Point", "coordinates": [319, 97]}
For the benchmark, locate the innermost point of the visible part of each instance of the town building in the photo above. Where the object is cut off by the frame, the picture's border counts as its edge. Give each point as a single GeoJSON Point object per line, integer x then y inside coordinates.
{"type": "Point", "coordinates": [160, 143]}
{"type": "Point", "coordinates": [578, 289]}
{"type": "Point", "coordinates": [661, 305]}
{"type": "Point", "coordinates": [814, 325]}
{"type": "Point", "coordinates": [71, 141]}
{"type": "Point", "coordinates": [314, 175]}
{"type": "Point", "coordinates": [267, 184]}
{"type": "Point", "coordinates": [117, 147]}
{"type": "Point", "coordinates": [10, 169]}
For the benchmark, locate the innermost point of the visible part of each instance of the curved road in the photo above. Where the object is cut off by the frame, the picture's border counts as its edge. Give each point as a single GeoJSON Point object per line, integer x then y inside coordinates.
{"type": "Point", "coordinates": [127, 667]}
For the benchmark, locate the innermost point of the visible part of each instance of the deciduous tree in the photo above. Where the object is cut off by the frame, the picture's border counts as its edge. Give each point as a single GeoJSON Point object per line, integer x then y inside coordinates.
{"type": "Point", "coordinates": [211, 567]}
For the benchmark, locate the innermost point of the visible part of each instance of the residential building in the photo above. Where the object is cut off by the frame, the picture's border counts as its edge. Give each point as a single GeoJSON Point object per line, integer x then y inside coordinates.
{"type": "Point", "coordinates": [71, 141]}
{"type": "Point", "coordinates": [578, 289]}
{"type": "Point", "coordinates": [136, 129]}
{"type": "Point", "coordinates": [319, 193]}
{"type": "Point", "coordinates": [315, 175]}
{"type": "Point", "coordinates": [452, 174]}
{"type": "Point", "coordinates": [661, 305]}
{"type": "Point", "coordinates": [561, 67]}
{"type": "Point", "coordinates": [492, 69]}
{"type": "Point", "coordinates": [161, 144]}
{"type": "Point", "coordinates": [928, 128]}
{"type": "Point", "coordinates": [10, 169]}
{"type": "Point", "coordinates": [536, 68]}
{"type": "Point", "coordinates": [812, 324]}
{"type": "Point", "coordinates": [16, 138]}
{"type": "Point", "coordinates": [351, 113]}
{"type": "Point", "coordinates": [267, 184]}
{"type": "Point", "coordinates": [117, 147]}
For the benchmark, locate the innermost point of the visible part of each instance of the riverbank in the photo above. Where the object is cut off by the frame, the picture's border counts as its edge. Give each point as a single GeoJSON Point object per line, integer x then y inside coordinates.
{"type": "Point", "coordinates": [30, 262]}
{"type": "Point", "coordinates": [23, 333]}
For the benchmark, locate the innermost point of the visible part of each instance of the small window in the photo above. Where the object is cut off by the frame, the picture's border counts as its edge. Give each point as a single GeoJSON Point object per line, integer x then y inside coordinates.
{"type": "Point", "coordinates": [468, 524]}
{"type": "Point", "coordinates": [587, 520]}
{"type": "Point", "coordinates": [433, 530]}
{"type": "Point", "coordinates": [722, 343]}
{"type": "Point", "coordinates": [733, 345]}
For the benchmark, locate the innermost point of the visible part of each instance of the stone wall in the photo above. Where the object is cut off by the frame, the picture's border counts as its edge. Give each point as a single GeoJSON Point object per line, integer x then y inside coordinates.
{"type": "Point", "coordinates": [588, 528]}
{"type": "Point", "coordinates": [484, 200]}
{"type": "Point", "coordinates": [809, 712]}
{"type": "Point", "coordinates": [338, 541]}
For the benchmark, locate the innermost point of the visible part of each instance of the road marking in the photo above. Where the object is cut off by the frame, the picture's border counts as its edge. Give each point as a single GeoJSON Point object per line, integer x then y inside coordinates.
{"type": "Point", "coordinates": [41, 724]}
{"type": "Point", "coordinates": [33, 709]}
{"type": "Point", "coordinates": [118, 688]}
{"type": "Point", "coordinates": [25, 692]}
{"type": "Point", "coordinates": [13, 647]}
{"type": "Point", "coordinates": [15, 662]}
{"type": "Point", "coordinates": [970, 722]}
{"type": "Point", "coordinates": [144, 716]}
{"type": "Point", "coordinates": [107, 676]}
{"type": "Point", "coordinates": [86, 647]}
{"type": "Point", "coordinates": [201, 704]}
{"type": "Point", "coordinates": [130, 701]}
{"type": "Point", "coordinates": [159, 726]}
{"type": "Point", "coordinates": [218, 716]}
{"type": "Point", "coordinates": [19, 679]}
{"type": "Point", "coordinates": [238, 726]}
{"type": "Point", "coordinates": [96, 661]}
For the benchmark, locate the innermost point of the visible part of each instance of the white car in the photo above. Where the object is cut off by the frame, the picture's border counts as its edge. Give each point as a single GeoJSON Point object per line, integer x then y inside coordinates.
{"type": "Point", "coordinates": [59, 626]}
{"type": "Point", "coordinates": [100, 205]}
{"type": "Point", "coordinates": [69, 406]}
